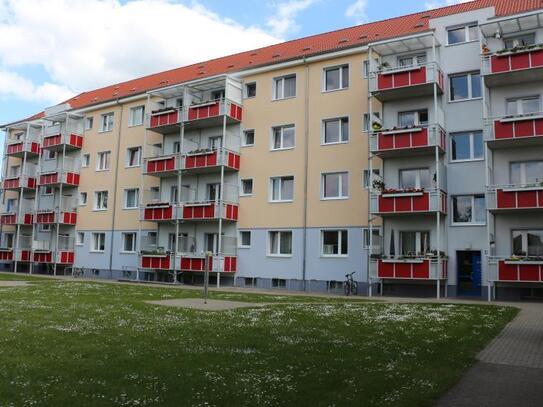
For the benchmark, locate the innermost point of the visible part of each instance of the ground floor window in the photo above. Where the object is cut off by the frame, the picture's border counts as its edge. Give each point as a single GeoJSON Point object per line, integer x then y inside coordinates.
{"type": "Point", "coordinates": [98, 242]}
{"type": "Point", "coordinates": [334, 242]}
{"type": "Point", "coordinates": [250, 282]}
{"type": "Point", "coordinates": [129, 242]}
{"type": "Point", "coordinates": [279, 283]}
{"type": "Point", "coordinates": [335, 285]}
{"type": "Point", "coordinates": [280, 243]}
{"type": "Point", "coordinates": [528, 242]}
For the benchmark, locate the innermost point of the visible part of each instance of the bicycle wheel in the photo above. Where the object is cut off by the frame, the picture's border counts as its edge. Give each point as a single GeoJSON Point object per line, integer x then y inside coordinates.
{"type": "Point", "coordinates": [354, 288]}
{"type": "Point", "coordinates": [347, 288]}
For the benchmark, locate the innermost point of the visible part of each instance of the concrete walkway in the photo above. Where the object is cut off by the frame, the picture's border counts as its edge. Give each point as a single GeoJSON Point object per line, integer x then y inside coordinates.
{"type": "Point", "coordinates": [509, 371]}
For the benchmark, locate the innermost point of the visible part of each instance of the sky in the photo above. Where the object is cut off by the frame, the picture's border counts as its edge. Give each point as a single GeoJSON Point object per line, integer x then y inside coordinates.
{"type": "Point", "coordinates": [51, 50]}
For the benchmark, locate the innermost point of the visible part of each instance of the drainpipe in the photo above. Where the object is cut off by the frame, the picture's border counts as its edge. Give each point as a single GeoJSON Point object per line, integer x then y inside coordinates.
{"type": "Point", "coordinates": [116, 176]}
{"type": "Point", "coordinates": [306, 165]}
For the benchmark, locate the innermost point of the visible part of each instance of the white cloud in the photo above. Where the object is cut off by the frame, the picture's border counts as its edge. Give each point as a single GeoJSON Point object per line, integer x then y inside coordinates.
{"type": "Point", "coordinates": [283, 21]}
{"type": "Point", "coordinates": [84, 44]}
{"type": "Point", "coordinates": [443, 3]}
{"type": "Point", "coordinates": [357, 10]}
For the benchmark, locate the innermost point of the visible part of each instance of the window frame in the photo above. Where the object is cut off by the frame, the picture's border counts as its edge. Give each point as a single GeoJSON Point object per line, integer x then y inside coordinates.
{"type": "Point", "coordinates": [366, 176]}
{"type": "Point", "coordinates": [86, 200]}
{"type": "Point", "coordinates": [472, 134]}
{"type": "Point", "coordinates": [469, 76]}
{"type": "Point", "coordinates": [109, 124]}
{"type": "Point", "coordinates": [341, 69]}
{"type": "Point", "coordinates": [240, 239]}
{"type": "Point", "coordinates": [517, 37]}
{"type": "Point", "coordinates": [282, 79]}
{"type": "Point", "coordinates": [85, 160]}
{"type": "Point", "coordinates": [89, 123]}
{"type": "Point", "coordinates": [280, 233]}
{"type": "Point", "coordinates": [524, 241]}
{"type": "Point", "coordinates": [467, 36]}
{"type": "Point", "coordinates": [128, 156]}
{"type": "Point", "coordinates": [473, 217]}
{"type": "Point", "coordinates": [518, 101]}
{"type": "Point", "coordinates": [244, 139]}
{"type": "Point", "coordinates": [523, 178]}
{"type": "Point", "coordinates": [366, 236]}
{"type": "Point", "coordinates": [282, 128]}
{"type": "Point", "coordinates": [125, 198]}
{"type": "Point", "coordinates": [132, 115]}
{"type": "Point", "coordinates": [80, 238]}
{"type": "Point", "coordinates": [134, 242]}
{"type": "Point", "coordinates": [99, 160]}
{"type": "Point", "coordinates": [340, 120]}
{"type": "Point", "coordinates": [96, 239]}
{"type": "Point", "coordinates": [418, 242]}
{"type": "Point", "coordinates": [418, 184]}
{"type": "Point", "coordinates": [340, 196]}
{"type": "Point", "coordinates": [281, 178]}
{"type": "Point", "coordinates": [241, 181]}
{"type": "Point", "coordinates": [339, 235]}
{"type": "Point", "coordinates": [246, 90]}
{"type": "Point", "coordinates": [105, 193]}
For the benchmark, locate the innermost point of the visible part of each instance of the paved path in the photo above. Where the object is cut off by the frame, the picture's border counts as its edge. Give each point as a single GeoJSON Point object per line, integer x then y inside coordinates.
{"type": "Point", "coordinates": [211, 305]}
{"type": "Point", "coordinates": [509, 371]}
{"type": "Point", "coordinates": [13, 283]}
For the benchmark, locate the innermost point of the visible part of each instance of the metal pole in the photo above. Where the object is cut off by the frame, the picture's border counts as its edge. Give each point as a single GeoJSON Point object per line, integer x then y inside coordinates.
{"type": "Point", "coordinates": [221, 198]}
{"type": "Point", "coordinates": [206, 275]}
{"type": "Point", "coordinates": [370, 174]}
{"type": "Point", "coordinates": [142, 184]}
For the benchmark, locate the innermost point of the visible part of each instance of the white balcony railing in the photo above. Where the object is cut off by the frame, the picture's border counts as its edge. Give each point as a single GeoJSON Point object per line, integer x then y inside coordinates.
{"type": "Point", "coordinates": [64, 164]}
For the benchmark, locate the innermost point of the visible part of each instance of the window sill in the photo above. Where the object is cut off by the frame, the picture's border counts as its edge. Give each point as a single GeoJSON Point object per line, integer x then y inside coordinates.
{"type": "Point", "coordinates": [135, 125]}
{"type": "Point", "coordinates": [130, 209]}
{"type": "Point", "coordinates": [107, 169]}
{"type": "Point", "coordinates": [244, 247]}
{"type": "Point", "coordinates": [125, 252]}
{"type": "Point", "coordinates": [100, 210]}
{"type": "Point", "coordinates": [334, 90]}
{"type": "Point", "coordinates": [466, 161]}
{"type": "Point", "coordinates": [342, 198]}
{"type": "Point", "coordinates": [96, 251]}
{"type": "Point", "coordinates": [248, 145]}
{"type": "Point", "coordinates": [280, 256]}
{"type": "Point", "coordinates": [245, 195]}
{"type": "Point", "coordinates": [284, 201]}
{"type": "Point", "coordinates": [467, 224]}
{"type": "Point", "coordinates": [461, 43]}
{"type": "Point", "coordinates": [334, 143]}
{"type": "Point", "coordinates": [104, 131]}
{"type": "Point", "coordinates": [334, 256]}
{"type": "Point", "coordinates": [133, 166]}
{"type": "Point", "coordinates": [287, 98]}
{"type": "Point", "coordinates": [281, 149]}
{"type": "Point", "coordinates": [465, 100]}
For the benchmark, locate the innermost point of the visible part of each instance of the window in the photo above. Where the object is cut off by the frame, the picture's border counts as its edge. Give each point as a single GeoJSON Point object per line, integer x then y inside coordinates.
{"type": "Point", "coordinates": [80, 238]}
{"type": "Point", "coordinates": [458, 35]}
{"type": "Point", "coordinates": [106, 122]}
{"type": "Point", "coordinates": [412, 60]}
{"type": "Point", "coordinates": [282, 189]}
{"type": "Point", "coordinates": [11, 205]}
{"type": "Point", "coordinates": [414, 243]}
{"type": "Point", "coordinates": [131, 198]}
{"type": "Point", "coordinates": [366, 176]}
{"type": "Point", "coordinates": [519, 41]}
{"type": "Point", "coordinates": [465, 86]}
{"type": "Point", "coordinates": [217, 94]}
{"type": "Point", "coordinates": [377, 238]}
{"type": "Point", "coordinates": [246, 187]}
{"type": "Point", "coordinates": [82, 198]}
{"type": "Point", "coordinates": [522, 106]}
{"type": "Point", "coordinates": [336, 78]}
{"type": "Point", "coordinates": [179, 102]}
{"type": "Point", "coordinates": [280, 243]}
{"type": "Point", "coordinates": [98, 242]}
{"type": "Point", "coordinates": [14, 171]}
{"type": "Point", "coordinates": [49, 155]}
{"type": "Point", "coordinates": [213, 191]}
{"type": "Point", "coordinates": [89, 121]}
{"type": "Point", "coordinates": [215, 142]}
{"type": "Point", "coordinates": [528, 242]}
{"type": "Point", "coordinates": [335, 185]}
{"type": "Point", "coordinates": [46, 190]}
{"type": "Point", "coordinates": [526, 172]}
{"type": "Point", "coordinates": [176, 147]}
{"type": "Point", "coordinates": [469, 209]}
{"type": "Point", "coordinates": [366, 125]}
{"type": "Point", "coordinates": [467, 146]}
{"type": "Point", "coordinates": [283, 137]}
{"type": "Point", "coordinates": [136, 115]}
{"type": "Point", "coordinates": [248, 138]}
{"type": "Point", "coordinates": [250, 90]}
{"type": "Point", "coordinates": [334, 242]}
{"type": "Point", "coordinates": [284, 87]}
{"type": "Point", "coordinates": [85, 162]}
{"type": "Point", "coordinates": [279, 283]}
{"type": "Point", "coordinates": [102, 163]}
{"type": "Point", "coordinates": [249, 282]}
{"type": "Point", "coordinates": [100, 200]}
{"type": "Point", "coordinates": [415, 178]}
{"type": "Point", "coordinates": [335, 130]}
{"type": "Point", "coordinates": [245, 239]}
{"type": "Point", "coordinates": [133, 157]}
{"type": "Point", "coordinates": [129, 242]}
{"type": "Point", "coordinates": [44, 227]}
{"type": "Point", "coordinates": [413, 118]}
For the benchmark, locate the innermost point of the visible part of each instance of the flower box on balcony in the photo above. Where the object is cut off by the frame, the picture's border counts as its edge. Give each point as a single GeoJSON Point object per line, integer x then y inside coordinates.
{"type": "Point", "coordinates": [520, 198]}
{"type": "Point", "coordinates": [517, 59]}
{"type": "Point", "coordinates": [520, 271]}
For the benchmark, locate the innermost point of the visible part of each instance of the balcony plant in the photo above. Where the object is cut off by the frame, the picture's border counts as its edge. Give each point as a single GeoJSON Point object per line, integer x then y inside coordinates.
{"type": "Point", "coordinates": [383, 65]}
{"type": "Point", "coordinates": [378, 185]}
{"type": "Point", "coordinates": [376, 126]}
{"type": "Point", "coordinates": [520, 48]}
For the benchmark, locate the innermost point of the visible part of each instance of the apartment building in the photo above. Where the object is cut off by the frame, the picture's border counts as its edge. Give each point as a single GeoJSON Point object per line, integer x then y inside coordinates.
{"type": "Point", "coordinates": [407, 151]}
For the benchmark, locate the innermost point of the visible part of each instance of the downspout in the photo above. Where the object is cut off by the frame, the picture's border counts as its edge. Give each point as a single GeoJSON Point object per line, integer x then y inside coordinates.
{"type": "Point", "coordinates": [116, 176]}
{"type": "Point", "coordinates": [306, 165]}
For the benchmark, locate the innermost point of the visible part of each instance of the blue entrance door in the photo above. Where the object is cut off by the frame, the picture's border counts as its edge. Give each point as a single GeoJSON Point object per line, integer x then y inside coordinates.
{"type": "Point", "coordinates": [469, 272]}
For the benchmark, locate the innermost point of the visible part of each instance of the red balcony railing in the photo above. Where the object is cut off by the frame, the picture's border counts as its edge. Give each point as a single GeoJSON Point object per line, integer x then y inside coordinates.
{"type": "Point", "coordinates": [227, 264]}
{"type": "Point", "coordinates": [164, 118]}
{"type": "Point", "coordinates": [57, 141]}
{"type": "Point", "coordinates": [523, 271]}
{"type": "Point", "coordinates": [53, 216]}
{"type": "Point", "coordinates": [24, 181]}
{"type": "Point", "coordinates": [410, 269]}
{"type": "Point", "coordinates": [162, 166]}
{"type": "Point", "coordinates": [63, 257]}
{"type": "Point", "coordinates": [408, 139]}
{"type": "Point", "coordinates": [156, 261]}
{"type": "Point", "coordinates": [515, 198]}
{"type": "Point", "coordinates": [519, 127]}
{"type": "Point", "coordinates": [214, 109]}
{"type": "Point", "coordinates": [14, 219]}
{"type": "Point", "coordinates": [407, 77]}
{"type": "Point", "coordinates": [409, 202]}
{"type": "Point", "coordinates": [516, 61]}
{"type": "Point", "coordinates": [190, 211]}
{"type": "Point", "coordinates": [32, 148]}
{"type": "Point", "coordinates": [212, 158]}
{"type": "Point", "coordinates": [57, 178]}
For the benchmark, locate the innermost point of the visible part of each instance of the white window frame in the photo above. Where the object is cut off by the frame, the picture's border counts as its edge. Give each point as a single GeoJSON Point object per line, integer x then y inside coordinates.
{"type": "Point", "coordinates": [44, 227]}
{"type": "Point", "coordinates": [366, 237]}
{"type": "Point", "coordinates": [524, 237]}
{"type": "Point", "coordinates": [282, 80]}
{"type": "Point", "coordinates": [134, 242]}
{"type": "Point", "coordinates": [366, 124]}
{"type": "Point", "coordinates": [341, 68]}
{"type": "Point", "coordinates": [85, 160]}
{"type": "Point", "coordinates": [103, 157]}
{"type": "Point", "coordinates": [418, 182]}
{"type": "Point", "coordinates": [341, 195]}
{"type": "Point", "coordinates": [282, 179]}
{"type": "Point", "coordinates": [531, 35]}
{"type": "Point", "coordinates": [520, 106]}
{"type": "Point", "coordinates": [341, 135]}
{"type": "Point", "coordinates": [242, 193]}
{"type": "Point", "coordinates": [280, 233]}
{"type": "Point", "coordinates": [128, 155]}
{"type": "Point", "coordinates": [471, 146]}
{"type": "Point", "coordinates": [97, 199]}
{"type": "Point", "coordinates": [89, 122]}
{"type": "Point", "coordinates": [80, 238]}
{"type": "Point", "coordinates": [415, 60]}
{"type": "Point", "coordinates": [96, 242]}
{"type": "Point", "coordinates": [416, 113]}
{"type": "Point", "coordinates": [46, 188]}
{"type": "Point", "coordinates": [83, 202]}
{"type": "Point", "coordinates": [240, 239]}
{"type": "Point", "coordinates": [366, 177]}
{"type": "Point", "coordinates": [282, 128]}
{"type": "Point", "coordinates": [244, 139]}
{"type": "Point", "coordinates": [107, 124]}
{"type": "Point", "coordinates": [418, 241]}
{"type": "Point", "coordinates": [467, 37]}
{"type": "Point", "coordinates": [470, 86]}
{"type": "Point", "coordinates": [245, 90]}
{"type": "Point", "coordinates": [339, 233]}
{"type": "Point", "coordinates": [132, 122]}
{"type": "Point", "coordinates": [523, 178]}
{"type": "Point", "coordinates": [125, 200]}
{"type": "Point", "coordinates": [472, 222]}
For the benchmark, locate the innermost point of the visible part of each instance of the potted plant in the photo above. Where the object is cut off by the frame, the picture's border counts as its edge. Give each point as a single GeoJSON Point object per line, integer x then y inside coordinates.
{"type": "Point", "coordinates": [383, 65]}
{"type": "Point", "coordinates": [378, 185]}
{"type": "Point", "coordinates": [376, 126]}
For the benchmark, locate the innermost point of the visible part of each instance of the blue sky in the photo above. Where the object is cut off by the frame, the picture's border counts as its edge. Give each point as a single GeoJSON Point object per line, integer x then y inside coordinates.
{"type": "Point", "coordinates": [48, 54]}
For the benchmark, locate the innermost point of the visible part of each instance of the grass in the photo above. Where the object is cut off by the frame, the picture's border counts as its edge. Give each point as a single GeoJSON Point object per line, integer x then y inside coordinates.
{"type": "Point", "coordinates": [86, 343]}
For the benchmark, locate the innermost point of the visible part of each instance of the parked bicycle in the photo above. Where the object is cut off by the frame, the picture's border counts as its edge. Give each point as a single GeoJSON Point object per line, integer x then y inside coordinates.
{"type": "Point", "coordinates": [350, 287]}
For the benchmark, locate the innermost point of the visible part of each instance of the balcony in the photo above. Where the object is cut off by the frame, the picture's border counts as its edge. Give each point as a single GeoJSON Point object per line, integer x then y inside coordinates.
{"type": "Point", "coordinates": [515, 198]}
{"type": "Point", "coordinates": [25, 179]}
{"type": "Point", "coordinates": [64, 214]}
{"type": "Point", "coordinates": [162, 165]}
{"type": "Point", "coordinates": [408, 202]}
{"type": "Point", "coordinates": [18, 216]}
{"type": "Point", "coordinates": [515, 131]}
{"type": "Point", "coordinates": [17, 148]}
{"type": "Point", "coordinates": [515, 270]}
{"type": "Point", "coordinates": [511, 67]}
{"type": "Point", "coordinates": [64, 135]}
{"type": "Point", "coordinates": [43, 251]}
{"type": "Point", "coordinates": [422, 268]}
{"type": "Point", "coordinates": [408, 141]}
{"type": "Point", "coordinates": [64, 170]}
{"type": "Point", "coordinates": [164, 120]}
{"type": "Point", "coordinates": [406, 82]}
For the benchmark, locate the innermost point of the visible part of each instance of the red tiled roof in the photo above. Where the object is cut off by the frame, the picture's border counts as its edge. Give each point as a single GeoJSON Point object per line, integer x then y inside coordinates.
{"type": "Point", "coordinates": [308, 46]}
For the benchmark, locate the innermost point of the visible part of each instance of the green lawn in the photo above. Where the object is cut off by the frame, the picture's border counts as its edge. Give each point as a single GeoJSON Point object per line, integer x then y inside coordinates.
{"type": "Point", "coordinates": [84, 343]}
